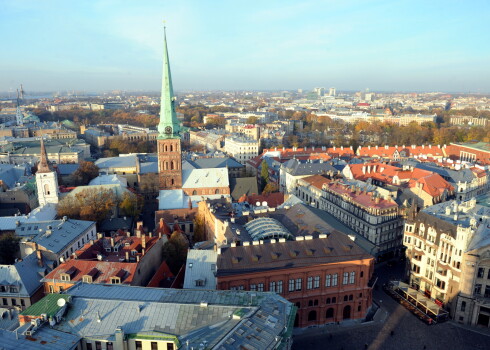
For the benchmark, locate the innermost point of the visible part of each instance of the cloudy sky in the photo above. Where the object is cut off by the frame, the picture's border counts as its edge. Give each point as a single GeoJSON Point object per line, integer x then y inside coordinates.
{"type": "Point", "coordinates": [233, 45]}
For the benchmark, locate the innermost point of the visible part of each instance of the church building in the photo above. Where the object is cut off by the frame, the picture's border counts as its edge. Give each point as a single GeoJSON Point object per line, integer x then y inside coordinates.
{"type": "Point", "coordinates": [181, 188]}
{"type": "Point", "coordinates": [46, 180]}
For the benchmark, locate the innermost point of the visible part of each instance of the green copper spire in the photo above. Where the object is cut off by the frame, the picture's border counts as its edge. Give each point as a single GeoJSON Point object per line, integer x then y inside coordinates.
{"type": "Point", "coordinates": [169, 126]}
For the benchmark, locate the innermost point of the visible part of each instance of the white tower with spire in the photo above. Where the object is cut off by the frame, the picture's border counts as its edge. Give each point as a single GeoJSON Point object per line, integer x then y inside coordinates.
{"type": "Point", "coordinates": [46, 180]}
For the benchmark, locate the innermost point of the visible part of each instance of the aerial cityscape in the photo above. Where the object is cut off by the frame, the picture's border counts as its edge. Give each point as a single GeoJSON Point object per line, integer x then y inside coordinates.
{"type": "Point", "coordinates": [211, 175]}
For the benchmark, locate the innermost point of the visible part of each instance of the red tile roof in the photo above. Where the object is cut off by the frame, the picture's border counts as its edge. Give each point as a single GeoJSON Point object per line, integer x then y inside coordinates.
{"type": "Point", "coordinates": [273, 199]}
{"type": "Point", "coordinates": [100, 271]}
{"type": "Point", "coordinates": [403, 151]}
{"type": "Point", "coordinates": [163, 277]}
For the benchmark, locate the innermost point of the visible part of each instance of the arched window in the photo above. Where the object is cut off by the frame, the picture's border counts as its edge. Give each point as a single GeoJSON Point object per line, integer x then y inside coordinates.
{"type": "Point", "coordinates": [171, 148]}
{"type": "Point", "coordinates": [172, 165]}
{"type": "Point", "coordinates": [46, 189]}
{"type": "Point", "coordinates": [172, 182]}
{"type": "Point", "coordinates": [328, 301]}
{"type": "Point", "coordinates": [345, 297]}
{"type": "Point", "coordinates": [166, 165]}
{"type": "Point", "coordinates": [310, 302]}
{"type": "Point", "coordinates": [194, 193]}
{"type": "Point", "coordinates": [312, 315]}
{"type": "Point", "coordinates": [329, 313]}
{"type": "Point", "coordinates": [165, 148]}
{"type": "Point", "coordinates": [217, 191]}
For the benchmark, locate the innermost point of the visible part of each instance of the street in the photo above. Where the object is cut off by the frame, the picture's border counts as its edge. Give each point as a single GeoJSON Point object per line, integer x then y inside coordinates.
{"type": "Point", "coordinates": [394, 327]}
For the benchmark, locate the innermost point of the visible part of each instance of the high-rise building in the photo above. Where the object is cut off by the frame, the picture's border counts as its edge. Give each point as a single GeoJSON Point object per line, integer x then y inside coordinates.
{"type": "Point", "coordinates": [168, 142]}
{"type": "Point", "coordinates": [46, 180]}
{"type": "Point", "coordinates": [332, 91]}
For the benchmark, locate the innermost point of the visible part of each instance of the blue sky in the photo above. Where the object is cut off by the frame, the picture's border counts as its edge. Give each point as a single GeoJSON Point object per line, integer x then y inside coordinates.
{"type": "Point", "coordinates": [233, 45]}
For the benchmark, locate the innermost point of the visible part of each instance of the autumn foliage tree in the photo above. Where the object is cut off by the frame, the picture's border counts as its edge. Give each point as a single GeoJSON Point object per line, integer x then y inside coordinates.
{"type": "Point", "coordinates": [175, 251]}
{"type": "Point", "coordinates": [131, 204]}
{"type": "Point", "coordinates": [85, 173]}
{"type": "Point", "coordinates": [89, 204]}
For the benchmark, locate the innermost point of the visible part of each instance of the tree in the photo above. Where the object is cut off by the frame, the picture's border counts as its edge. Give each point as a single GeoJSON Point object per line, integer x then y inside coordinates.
{"type": "Point", "coordinates": [199, 229]}
{"type": "Point", "coordinates": [175, 251]}
{"type": "Point", "coordinates": [9, 248]}
{"type": "Point", "coordinates": [89, 204]}
{"type": "Point", "coordinates": [264, 174]}
{"type": "Point", "coordinates": [270, 188]}
{"type": "Point", "coordinates": [252, 120]}
{"type": "Point", "coordinates": [131, 204]}
{"type": "Point", "coordinates": [85, 172]}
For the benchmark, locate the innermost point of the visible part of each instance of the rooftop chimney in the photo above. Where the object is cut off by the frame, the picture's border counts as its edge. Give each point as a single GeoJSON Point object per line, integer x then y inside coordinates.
{"type": "Point", "coordinates": [143, 241]}
{"type": "Point", "coordinates": [39, 258]}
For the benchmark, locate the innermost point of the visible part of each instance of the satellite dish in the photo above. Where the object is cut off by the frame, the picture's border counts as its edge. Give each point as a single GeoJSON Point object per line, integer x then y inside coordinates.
{"type": "Point", "coordinates": [264, 204]}
{"type": "Point", "coordinates": [61, 302]}
{"type": "Point", "coordinates": [257, 204]}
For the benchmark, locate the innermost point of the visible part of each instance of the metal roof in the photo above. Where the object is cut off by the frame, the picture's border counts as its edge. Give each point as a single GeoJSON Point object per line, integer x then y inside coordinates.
{"type": "Point", "coordinates": [54, 235]}
{"type": "Point", "coordinates": [24, 274]}
{"type": "Point", "coordinates": [200, 266]}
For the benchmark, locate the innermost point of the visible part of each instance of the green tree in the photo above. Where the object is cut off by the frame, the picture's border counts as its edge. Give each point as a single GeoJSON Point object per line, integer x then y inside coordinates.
{"type": "Point", "coordinates": [270, 188]}
{"type": "Point", "coordinates": [264, 174]}
{"type": "Point", "coordinates": [199, 229]}
{"type": "Point", "coordinates": [9, 248]}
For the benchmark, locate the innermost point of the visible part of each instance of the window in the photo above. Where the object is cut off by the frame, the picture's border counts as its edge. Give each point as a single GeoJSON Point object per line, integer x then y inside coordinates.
{"type": "Point", "coordinates": [115, 280]}
{"type": "Point", "coordinates": [488, 275]}
{"type": "Point", "coordinates": [291, 286]}
{"type": "Point", "coordinates": [272, 286]}
{"type": "Point", "coordinates": [279, 287]}
{"type": "Point", "coordinates": [329, 313]}
{"type": "Point", "coordinates": [170, 346]}
{"type": "Point", "coordinates": [328, 279]}
{"type": "Point", "coordinates": [194, 192]}
{"type": "Point", "coordinates": [345, 297]}
{"type": "Point", "coordinates": [87, 279]}
{"type": "Point", "coordinates": [216, 191]}
{"type": "Point", "coordinates": [138, 344]}
{"type": "Point", "coordinates": [110, 346]}
{"type": "Point", "coordinates": [487, 291]}
{"type": "Point", "coordinates": [260, 287]}
{"type": "Point", "coordinates": [351, 297]}
{"type": "Point", "coordinates": [14, 302]}
{"type": "Point", "coordinates": [89, 346]}
{"type": "Point", "coordinates": [299, 282]}
{"type": "Point", "coordinates": [309, 284]}
{"type": "Point", "coordinates": [345, 280]}
{"type": "Point", "coordinates": [154, 345]}
{"type": "Point", "coordinates": [481, 272]}
{"type": "Point", "coordinates": [253, 287]}
{"type": "Point", "coordinates": [316, 282]}
{"type": "Point", "coordinates": [335, 278]}
{"type": "Point", "coordinates": [334, 300]}
{"type": "Point", "coordinates": [352, 277]}
{"type": "Point", "coordinates": [463, 306]}
{"type": "Point", "coordinates": [312, 315]}
{"type": "Point", "coordinates": [22, 302]}
{"type": "Point", "coordinates": [98, 345]}
{"type": "Point", "coordinates": [4, 301]}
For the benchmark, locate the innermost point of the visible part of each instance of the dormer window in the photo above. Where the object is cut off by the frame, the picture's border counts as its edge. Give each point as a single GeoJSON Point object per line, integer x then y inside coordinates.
{"type": "Point", "coordinates": [115, 280]}
{"type": "Point", "coordinates": [14, 289]}
{"type": "Point", "coordinates": [65, 277]}
{"type": "Point", "coordinates": [87, 279]}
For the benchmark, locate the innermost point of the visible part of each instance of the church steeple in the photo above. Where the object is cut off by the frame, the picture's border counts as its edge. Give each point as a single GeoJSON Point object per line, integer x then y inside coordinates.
{"type": "Point", "coordinates": [169, 126]}
{"type": "Point", "coordinates": [43, 166]}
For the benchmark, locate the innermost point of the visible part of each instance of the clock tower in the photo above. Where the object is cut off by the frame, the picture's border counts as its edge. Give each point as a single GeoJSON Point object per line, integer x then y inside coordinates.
{"type": "Point", "coordinates": [168, 142]}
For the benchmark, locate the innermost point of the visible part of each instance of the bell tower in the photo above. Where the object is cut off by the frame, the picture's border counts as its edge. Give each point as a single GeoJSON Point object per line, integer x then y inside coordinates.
{"type": "Point", "coordinates": [168, 142]}
{"type": "Point", "coordinates": [46, 180]}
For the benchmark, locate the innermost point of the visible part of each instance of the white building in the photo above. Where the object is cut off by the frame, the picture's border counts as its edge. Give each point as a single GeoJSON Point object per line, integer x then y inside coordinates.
{"type": "Point", "coordinates": [241, 148]}
{"type": "Point", "coordinates": [46, 180]}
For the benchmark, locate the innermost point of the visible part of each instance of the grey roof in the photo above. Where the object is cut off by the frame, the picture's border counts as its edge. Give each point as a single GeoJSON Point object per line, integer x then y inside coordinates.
{"type": "Point", "coordinates": [297, 168]}
{"type": "Point", "coordinates": [456, 213]}
{"type": "Point", "coordinates": [25, 274]}
{"type": "Point", "coordinates": [115, 224]}
{"type": "Point", "coordinates": [127, 161]}
{"type": "Point", "coordinates": [10, 174]}
{"type": "Point", "coordinates": [229, 319]}
{"type": "Point", "coordinates": [205, 178]}
{"type": "Point", "coordinates": [149, 167]}
{"type": "Point", "coordinates": [214, 162]}
{"type": "Point", "coordinates": [53, 235]}
{"type": "Point", "coordinates": [46, 212]}
{"type": "Point", "coordinates": [481, 238]}
{"type": "Point", "coordinates": [201, 265]}
{"type": "Point", "coordinates": [44, 338]}
{"type": "Point", "coordinates": [111, 179]}
{"type": "Point", "coordinates": [322, 221]}
{"type": "Point", "coordinates": [451, 175]}
{"type": "Point", "coordinates": [243, 185]}
{"type": "Point", "coordinates": [67, 169]}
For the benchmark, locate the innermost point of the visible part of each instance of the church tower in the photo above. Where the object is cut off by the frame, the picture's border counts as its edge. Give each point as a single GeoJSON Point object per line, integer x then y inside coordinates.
{"type": "Point", "coordinates": [168, 142]}
{"type": "Point", "coordinates": [46, 180]}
